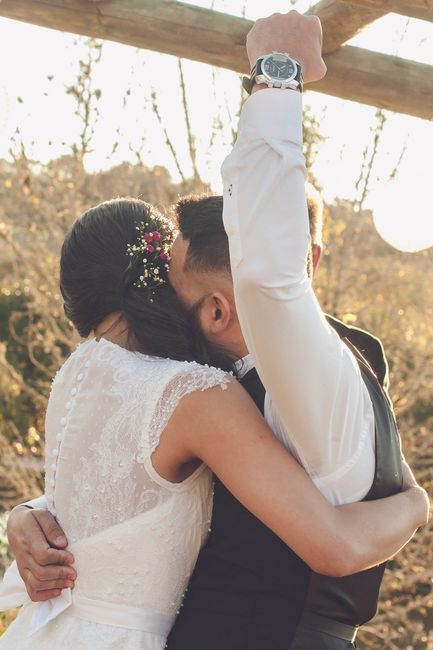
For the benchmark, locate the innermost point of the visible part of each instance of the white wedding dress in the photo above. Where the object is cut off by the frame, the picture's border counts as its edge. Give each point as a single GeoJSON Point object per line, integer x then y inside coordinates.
{"type": "Point", "coordinates": [135, 536]}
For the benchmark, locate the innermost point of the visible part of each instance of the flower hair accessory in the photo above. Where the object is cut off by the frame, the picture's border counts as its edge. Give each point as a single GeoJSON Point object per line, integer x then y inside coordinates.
{"type": "Point", "coordinates": [154, 250]}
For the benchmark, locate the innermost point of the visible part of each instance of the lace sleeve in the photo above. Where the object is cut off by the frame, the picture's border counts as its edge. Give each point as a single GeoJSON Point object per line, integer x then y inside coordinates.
{"type": "Point", "coordinates": [188, 378]}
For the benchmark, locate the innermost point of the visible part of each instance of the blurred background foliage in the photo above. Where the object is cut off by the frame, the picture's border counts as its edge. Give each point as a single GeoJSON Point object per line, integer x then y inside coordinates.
{"type": "Point", "coordinates": [361, 279]}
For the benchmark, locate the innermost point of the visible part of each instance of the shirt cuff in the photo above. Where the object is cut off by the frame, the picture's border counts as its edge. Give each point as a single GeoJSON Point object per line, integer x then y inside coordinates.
{"type": "Point", "coordinates": [273, 113]}
{"type": "Point", "coordinates": [39, 502]}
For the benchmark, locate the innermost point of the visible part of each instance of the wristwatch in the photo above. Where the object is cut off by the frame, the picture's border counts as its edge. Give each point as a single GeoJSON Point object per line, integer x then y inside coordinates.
{"type": "Point", "coordinates": [277, 70]}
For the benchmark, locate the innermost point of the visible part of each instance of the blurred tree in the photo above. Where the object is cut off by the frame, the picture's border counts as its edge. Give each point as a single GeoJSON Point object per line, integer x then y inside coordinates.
{"type": "Point", "coordinates": [367, 283]}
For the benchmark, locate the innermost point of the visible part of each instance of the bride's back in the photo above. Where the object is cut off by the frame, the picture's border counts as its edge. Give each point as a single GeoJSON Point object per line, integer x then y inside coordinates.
{"type": "Point", "coordinates": [135, 536]}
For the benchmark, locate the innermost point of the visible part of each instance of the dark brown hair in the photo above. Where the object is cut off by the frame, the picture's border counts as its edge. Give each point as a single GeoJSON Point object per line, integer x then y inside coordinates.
{"type": "Point", "coordinates": [315, 213]}
{"type": "Point", "coordinates": [98, 278]}
{"type": "Point", "coordinates": [200, 221]}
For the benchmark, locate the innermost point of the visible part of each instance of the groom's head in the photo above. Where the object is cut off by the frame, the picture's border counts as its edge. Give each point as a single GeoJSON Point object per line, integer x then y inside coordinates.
{"type": "Point", "coordinates": [200, 266]}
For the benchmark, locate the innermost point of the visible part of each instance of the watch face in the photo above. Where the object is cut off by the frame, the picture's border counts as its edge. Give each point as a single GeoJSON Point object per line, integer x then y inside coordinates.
{"type": "Point", "coordinates": [279, 66]}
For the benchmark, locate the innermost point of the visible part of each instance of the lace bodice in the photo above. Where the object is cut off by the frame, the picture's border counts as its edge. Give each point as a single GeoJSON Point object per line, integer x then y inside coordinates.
{"type": "Point", "coordinates": [106, 413]}
{"type": "Point", "coordinates": [135, 536]}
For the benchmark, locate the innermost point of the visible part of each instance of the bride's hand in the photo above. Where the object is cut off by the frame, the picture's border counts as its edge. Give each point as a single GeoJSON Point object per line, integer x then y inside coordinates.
{"type": "Point", "coordinates": [421, 501]}
{"type": "Point", "coordinates": [38, 543]}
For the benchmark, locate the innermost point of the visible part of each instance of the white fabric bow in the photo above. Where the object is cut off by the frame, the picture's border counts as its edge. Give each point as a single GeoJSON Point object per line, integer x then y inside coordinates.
{"type": "Point", "coordinates": [13, 594]}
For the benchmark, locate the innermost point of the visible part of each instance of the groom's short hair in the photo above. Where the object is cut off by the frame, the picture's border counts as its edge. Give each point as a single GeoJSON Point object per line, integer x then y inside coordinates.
{"type": "Point", "coordinates": [200, 222]}
{"type": "Point", "coordinates": [315, 213]}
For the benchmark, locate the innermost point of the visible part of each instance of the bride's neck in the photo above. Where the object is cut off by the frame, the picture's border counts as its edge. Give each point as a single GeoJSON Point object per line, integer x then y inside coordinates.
{"type": "Point", "coordinates": [114, 328]}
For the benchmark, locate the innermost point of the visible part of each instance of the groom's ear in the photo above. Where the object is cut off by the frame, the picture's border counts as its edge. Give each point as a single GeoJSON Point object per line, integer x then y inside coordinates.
{"type": "Point", "coordinates": [316, 254]}
{"type": "Point", "coordinates": [216, 314]}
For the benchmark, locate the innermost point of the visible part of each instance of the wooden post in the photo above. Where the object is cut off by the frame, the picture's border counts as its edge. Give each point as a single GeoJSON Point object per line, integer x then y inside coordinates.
{"type": "Point", "coordinates": [342, 20]}
{"type": "Point", "coordinates": [422, 9]}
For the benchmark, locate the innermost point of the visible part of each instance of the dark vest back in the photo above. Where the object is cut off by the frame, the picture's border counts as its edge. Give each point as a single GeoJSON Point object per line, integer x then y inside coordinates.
{"type": "Point", "coordinates": [248, 589]}
{"type": "Point", "coordinates": [353, 599]}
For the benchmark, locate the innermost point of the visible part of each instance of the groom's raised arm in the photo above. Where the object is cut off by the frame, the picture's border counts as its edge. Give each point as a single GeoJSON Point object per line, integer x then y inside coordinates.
{"type": "Point", "coordinates": [312, 379]}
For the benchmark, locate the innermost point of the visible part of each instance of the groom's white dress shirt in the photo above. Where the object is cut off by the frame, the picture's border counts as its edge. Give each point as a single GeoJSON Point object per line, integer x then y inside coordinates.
{"type": "Point", "coordinates": [322, 411]}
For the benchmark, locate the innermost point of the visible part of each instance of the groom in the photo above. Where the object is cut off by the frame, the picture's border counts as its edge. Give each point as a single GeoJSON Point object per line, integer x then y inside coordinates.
{"type": "Point", "coordinates": [248, 591]}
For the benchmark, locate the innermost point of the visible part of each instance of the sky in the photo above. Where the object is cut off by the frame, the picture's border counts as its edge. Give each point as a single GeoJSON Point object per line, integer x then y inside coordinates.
{"type": "Point", "coordinates": [39, 64]}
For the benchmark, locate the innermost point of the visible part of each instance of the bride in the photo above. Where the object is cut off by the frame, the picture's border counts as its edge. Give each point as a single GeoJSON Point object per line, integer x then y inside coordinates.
{"type": "Point", "coordinates": [135, 424]}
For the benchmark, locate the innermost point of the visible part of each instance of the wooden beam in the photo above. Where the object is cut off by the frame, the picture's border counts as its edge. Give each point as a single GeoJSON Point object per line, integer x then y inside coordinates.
{"type": "Point", "coordinates": [219, 39]}
{"type": "Point", "coordinates": [381, 80]}
{"type": "Point", "coordinates": [342, 20]}
{"type": "Point", "coordinates": [422, 9]}
{"type": "Point", "coordinates": [162, 25]}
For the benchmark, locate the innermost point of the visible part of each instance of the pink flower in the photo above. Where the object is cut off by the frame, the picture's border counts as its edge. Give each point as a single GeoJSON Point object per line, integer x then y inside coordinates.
{"type": "Point", "coordinates": [164, 257]}
{"type": "Point", "coordinates": [156, 236]}
{"type": "Point", "coordinates": [150, 248]}
{"type": "Point", "coordinates": [147, 237]}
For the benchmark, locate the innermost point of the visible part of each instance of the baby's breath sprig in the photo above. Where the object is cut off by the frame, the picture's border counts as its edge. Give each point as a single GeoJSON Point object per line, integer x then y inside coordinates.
{"type": "Point", "coordinates": [154, 250]}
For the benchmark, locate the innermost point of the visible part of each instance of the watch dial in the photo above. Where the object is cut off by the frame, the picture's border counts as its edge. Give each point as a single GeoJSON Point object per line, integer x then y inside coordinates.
{"type": "Point", "coordinates": [278, 69]}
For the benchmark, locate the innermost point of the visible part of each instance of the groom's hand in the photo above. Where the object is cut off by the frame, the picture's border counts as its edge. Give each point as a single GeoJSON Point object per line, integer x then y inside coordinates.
{"type": "Point", "coordinates": [39, 544]}
{"type": "Point", "coordinates": [298, 35]}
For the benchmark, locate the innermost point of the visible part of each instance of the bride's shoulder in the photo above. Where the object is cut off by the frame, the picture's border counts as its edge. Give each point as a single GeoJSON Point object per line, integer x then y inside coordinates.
{"type": "Point", "coordinates": [181, 378]}
{"type": "Point", "coordinates": [114, 368]}
{"type": "Point", "coordinates": [193, 371]}
{"type": "Point", "coordinates": [125, 364]}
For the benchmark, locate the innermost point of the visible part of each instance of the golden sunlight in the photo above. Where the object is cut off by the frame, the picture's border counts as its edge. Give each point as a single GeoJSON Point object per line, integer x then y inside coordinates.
{"type": "Point", "coordinates": [403, 215]}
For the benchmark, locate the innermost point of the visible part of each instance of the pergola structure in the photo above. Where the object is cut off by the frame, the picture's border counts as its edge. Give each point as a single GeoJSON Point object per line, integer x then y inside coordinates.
{"type": "Point", "coordinates": [218, 39]}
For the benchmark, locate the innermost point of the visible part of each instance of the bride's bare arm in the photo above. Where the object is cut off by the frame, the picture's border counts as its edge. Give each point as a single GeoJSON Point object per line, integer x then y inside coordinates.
{"type": "Point", "coordinates": [226, 430]}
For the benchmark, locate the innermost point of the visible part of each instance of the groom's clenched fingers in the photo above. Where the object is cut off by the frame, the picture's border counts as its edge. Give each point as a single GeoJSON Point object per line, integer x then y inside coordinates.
{"type": "Point", "coordinates": [33, 585]}
{"type": "Point", "coordinates": [299, 35]}
{"type": "Point", "coordinates": [42, 581]}
{"type": "Point", "coordinates": [39, 595]}
{"type": "Point", "coordinates": [51, 530]}
{"type": "Point", "coordinates": [44, 556]}
{"type": "Point", "coordinates": [40, 566]}
{"type": "Point", "coordinates": [34, 531]}
{"type": "Point", "coordinates": [51, 573]}
{"type": "Point", "coordinates": [35, 538]}
{"type": "Point", "coordinates": [44, 570]}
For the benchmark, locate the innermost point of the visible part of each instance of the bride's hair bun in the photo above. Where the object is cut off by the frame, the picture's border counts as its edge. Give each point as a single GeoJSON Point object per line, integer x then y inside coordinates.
{"type": "Point", "coordinates": [98, 277]}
